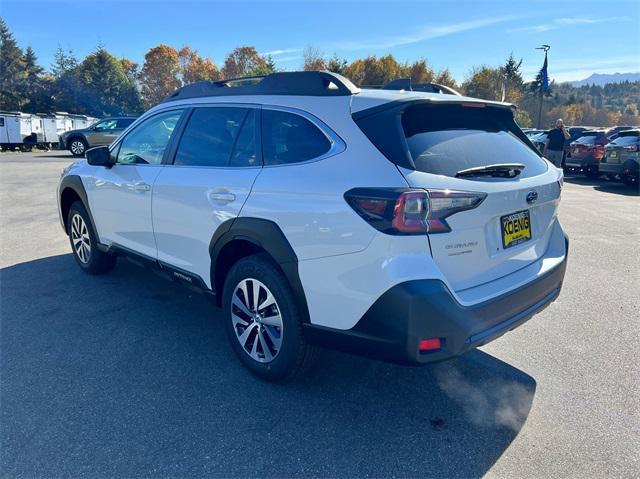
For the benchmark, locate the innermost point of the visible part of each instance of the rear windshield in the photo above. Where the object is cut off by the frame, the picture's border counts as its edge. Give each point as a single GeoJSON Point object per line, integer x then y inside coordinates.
{"type": "Point", "coordinates": [444, 140]}
{"type": "Point", "coordinates": [587, 139]}
{"type": "Point", "coordinates": [627, 138]}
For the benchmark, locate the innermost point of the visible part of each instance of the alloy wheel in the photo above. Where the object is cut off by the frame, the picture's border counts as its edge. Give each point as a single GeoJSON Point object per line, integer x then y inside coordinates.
{"type": "Point", "coordinates": [257, 320]}
{"type": "Point", "coordinates": [80, 238]}
{"type": "Point", "coordinates": [77, 147]}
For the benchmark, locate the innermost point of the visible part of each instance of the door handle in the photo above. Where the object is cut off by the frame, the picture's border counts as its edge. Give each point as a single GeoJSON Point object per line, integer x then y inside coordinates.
{"type": "Point", "coordinates": [140, 186]}
{"type": "Point", "coordinates": [223, 197]}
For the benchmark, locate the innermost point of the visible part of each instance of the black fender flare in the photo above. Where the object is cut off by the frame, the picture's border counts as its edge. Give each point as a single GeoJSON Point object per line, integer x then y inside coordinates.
{"type": "Point", "coordinates": [267, 235]}
{"type": "Point", "coordinates": [74, 182]}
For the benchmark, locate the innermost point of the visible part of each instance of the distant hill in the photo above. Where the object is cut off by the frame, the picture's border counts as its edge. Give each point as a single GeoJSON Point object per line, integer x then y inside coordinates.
{"type": "Point", "coordinates": [604, 78]}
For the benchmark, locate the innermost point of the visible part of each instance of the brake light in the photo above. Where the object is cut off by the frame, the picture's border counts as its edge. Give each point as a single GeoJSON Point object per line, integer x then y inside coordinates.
{"type": "Point", "coordinates": [409, 212]}
{"type": "Point", "coordinates": [599, 152]}
{"type": "Point", "coordinates": [429, 344]}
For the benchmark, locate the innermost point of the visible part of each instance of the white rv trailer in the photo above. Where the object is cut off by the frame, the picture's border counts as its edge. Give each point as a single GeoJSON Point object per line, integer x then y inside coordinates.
{"type": "Point", "coordinates": [50, 128]}
{"type": "Point", "coordinates": [80, 122]}
{"type": "Point", "coordinates": [63, 122]}
{"type": "Point", "coordinates": [19, 130]}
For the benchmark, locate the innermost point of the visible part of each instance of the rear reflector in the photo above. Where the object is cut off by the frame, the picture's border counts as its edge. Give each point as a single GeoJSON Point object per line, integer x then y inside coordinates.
{"type": "Point", "coordinates": [429, 344]}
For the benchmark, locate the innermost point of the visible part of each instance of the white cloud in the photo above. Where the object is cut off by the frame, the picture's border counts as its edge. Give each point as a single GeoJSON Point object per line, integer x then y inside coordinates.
{"type": "Point", "coordinates": [425, 33]}
{"type": "Point", "coordinates": [287, 59]}
{"type": "Point", "coordinates": [558, 23]}
{"type": "Point", "coordinates": [275, 53]}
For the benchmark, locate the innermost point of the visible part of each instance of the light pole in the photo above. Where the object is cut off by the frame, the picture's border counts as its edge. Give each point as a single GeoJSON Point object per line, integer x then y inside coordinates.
{"type": "Point", "coordinates": [544, 81]}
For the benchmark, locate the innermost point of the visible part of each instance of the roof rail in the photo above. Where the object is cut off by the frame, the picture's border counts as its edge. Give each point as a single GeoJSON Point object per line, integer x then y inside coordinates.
{"type": "Point", "coordinates": [308, 83]}
{"type": "Point", "coordinates": [407, 84]}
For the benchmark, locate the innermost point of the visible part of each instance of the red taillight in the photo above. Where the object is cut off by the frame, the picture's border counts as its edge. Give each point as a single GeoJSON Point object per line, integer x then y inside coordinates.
{"type": "Point", "coordinates": [396, 211]}
{"type": "Point", "coordinates": [429, 344]}
{"type": "Point", "coordinates": [599, 151]}
{"type": "Point", "coordinates": [410, 212]}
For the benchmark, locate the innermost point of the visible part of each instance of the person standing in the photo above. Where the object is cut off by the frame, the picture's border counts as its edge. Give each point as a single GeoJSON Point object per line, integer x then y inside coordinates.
{"type": "Point", "coordinates": [554, 148]}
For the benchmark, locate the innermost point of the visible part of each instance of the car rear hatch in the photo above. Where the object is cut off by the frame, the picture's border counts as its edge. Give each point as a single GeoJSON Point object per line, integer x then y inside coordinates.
{"type": "Point", "coordinates": [474, 149]}
{"type": "Point", "coordinates": [624, 147]}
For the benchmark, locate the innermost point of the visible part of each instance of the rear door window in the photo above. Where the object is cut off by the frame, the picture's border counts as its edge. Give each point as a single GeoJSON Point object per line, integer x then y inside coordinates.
{"type": "Point", "coordinates": [219, 137]}
{"type": "Point", "coordinates": [290, 138]}
{"type": "Point", "coordinates": [444, 140]}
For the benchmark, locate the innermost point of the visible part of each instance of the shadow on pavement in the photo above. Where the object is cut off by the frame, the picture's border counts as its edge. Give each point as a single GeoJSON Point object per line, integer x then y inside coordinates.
{"type": "Point", "coordinates": [130, 375]}
{"type": "Point", "coordinates": [604, 185]}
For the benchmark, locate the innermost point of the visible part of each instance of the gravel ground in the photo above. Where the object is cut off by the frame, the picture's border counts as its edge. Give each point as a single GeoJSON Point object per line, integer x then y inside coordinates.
{"type": "Point", "coordinates": [129, 375]}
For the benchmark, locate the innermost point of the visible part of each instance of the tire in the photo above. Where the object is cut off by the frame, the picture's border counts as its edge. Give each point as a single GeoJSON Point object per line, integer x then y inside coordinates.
{"type": "Point", "coordinates": [630, 181]}
{"type": "Point", "coordinates": [258, 348]}
{"type": "Point", "coordinates": [77, 146]}
{"type": "Point", "coordinates": [83, 242]}
{"type": "Point", "coordinates": [592, 173]}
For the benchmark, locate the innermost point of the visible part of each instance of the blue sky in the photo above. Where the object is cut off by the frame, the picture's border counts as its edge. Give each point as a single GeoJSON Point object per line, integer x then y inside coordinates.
{"type": "Point", "coordinates": [585, 36]}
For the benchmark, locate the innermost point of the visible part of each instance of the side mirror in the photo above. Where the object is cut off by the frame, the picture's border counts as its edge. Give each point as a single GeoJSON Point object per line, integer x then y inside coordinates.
{"type": "Point", "coordinates": [100, 156]}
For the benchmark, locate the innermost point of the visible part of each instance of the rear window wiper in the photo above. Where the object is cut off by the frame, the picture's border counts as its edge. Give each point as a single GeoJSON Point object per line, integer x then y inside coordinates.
{"type": "Point", "coordinates": [500, 170]}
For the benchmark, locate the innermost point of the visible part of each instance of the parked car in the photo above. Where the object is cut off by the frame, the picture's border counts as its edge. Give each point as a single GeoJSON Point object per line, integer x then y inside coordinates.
{"type": "Point", "coordinates": [621, 157]}
{"type": "Point", "coordinates": [532, 132]}
{"type": "Point", "coordinates": [540, 140]}
{"type": "Point", "coordinates": [101, 133]}
{"type": "Point", "coordinates": [575, 132]}
{"type": "Point", "coordinates": [400, 225]}
{"type": "Point", "coordinates": [587, 151]}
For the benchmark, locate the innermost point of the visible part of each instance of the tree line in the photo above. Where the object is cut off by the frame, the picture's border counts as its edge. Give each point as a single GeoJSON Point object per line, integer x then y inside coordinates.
{"type": "Point", "coordinates": [101, 84]}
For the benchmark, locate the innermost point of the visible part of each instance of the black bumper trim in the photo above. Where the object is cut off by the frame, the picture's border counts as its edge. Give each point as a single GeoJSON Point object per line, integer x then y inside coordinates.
{"type": "Point", "coordinates": [415, 310]}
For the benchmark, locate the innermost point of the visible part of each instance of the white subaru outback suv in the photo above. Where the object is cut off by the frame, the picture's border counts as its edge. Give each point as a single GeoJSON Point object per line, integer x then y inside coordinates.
{"type": "Point", "coordinates": [400, 225]}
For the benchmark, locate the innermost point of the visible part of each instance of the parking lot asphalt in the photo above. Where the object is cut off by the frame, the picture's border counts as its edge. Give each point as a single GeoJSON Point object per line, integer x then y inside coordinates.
{"type": "Point", "coordinates": [130, 375]}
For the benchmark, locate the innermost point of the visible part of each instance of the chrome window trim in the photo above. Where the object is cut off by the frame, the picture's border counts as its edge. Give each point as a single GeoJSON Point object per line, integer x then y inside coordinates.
{"type": "Point", "coordinates": [337, 144]}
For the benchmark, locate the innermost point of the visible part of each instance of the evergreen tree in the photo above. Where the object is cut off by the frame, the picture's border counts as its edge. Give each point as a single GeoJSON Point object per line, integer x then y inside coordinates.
{"type": "Point", "coordinates": [11, 70]}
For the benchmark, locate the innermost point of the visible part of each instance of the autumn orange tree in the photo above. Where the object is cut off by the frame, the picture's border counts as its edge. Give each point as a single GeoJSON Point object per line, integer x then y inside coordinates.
{"type": "Point", "coordinates": [159, 75]}
{"type": "Point", "coordinates": [194, 68]}
{"type": "Point", "coordinates": [244, 61]}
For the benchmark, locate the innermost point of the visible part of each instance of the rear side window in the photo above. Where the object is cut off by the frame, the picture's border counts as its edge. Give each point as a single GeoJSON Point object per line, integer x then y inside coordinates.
{"type": "Point", "coordinates": [444, 140]}
{"type": "Point", "coordinates": [218, 137]}
{"type": "Point", "coordinates": [290, 138]}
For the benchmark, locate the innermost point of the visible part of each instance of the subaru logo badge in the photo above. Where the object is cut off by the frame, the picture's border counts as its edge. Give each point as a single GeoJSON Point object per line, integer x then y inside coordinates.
{"type": "Point", "coordinates": [532, 196]}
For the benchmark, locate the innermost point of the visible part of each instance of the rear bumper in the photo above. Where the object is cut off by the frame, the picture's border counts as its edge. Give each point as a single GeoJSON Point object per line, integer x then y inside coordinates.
{"type": "Point", "coordinates": [582, 163]}
{"type": "Point", "coordinates": [611, 168]}
{"type": "Point", "coordinates": [422, 309]}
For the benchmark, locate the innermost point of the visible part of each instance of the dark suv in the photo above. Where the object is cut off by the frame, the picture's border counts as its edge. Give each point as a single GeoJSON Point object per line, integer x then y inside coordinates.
{"type": "Point", "coordinates": [100, 133]}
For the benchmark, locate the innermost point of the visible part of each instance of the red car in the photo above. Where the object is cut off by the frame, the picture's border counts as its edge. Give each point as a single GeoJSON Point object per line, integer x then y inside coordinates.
{"type": "Point", "coordinates": [586, 152]}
